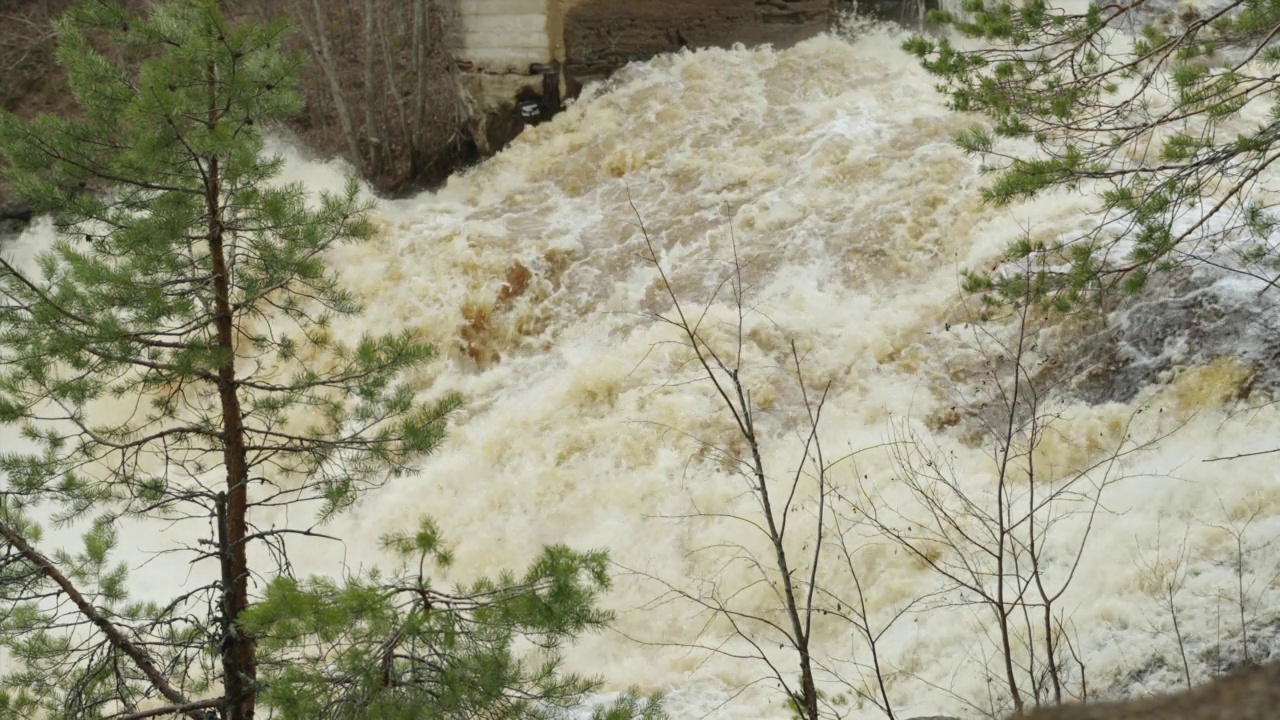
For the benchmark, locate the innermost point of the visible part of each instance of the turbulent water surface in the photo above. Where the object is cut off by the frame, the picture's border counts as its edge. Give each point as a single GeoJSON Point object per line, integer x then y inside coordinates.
{"type": "Point", "coordinates": [830, 168]}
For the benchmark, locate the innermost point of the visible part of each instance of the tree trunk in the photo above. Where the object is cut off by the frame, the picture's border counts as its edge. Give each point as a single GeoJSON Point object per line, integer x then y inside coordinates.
{"type": "Point", "coordinates": [417, 60]}
{"type": "Point", "coordinates": [1004, 522]}
{"type": "Point", "coordinates": [374, 134]}
{"type": "Point", "coordinates": [808, 689]}
{"type": "Point", "coordinates": [239, 653]}
{"type": "Point", "coordinates": [393, 95]}
{"type": "Point", "coordinates": [316, 33]}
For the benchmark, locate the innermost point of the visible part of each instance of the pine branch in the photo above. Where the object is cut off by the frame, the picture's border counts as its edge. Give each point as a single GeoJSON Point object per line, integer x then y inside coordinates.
{"type": "Point", "coordinates": [113, 633]}
{"type": "Point", "coordinates": [173, 710]}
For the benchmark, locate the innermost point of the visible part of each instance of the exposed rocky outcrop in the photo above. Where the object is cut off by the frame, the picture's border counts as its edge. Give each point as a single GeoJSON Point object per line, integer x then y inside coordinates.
{"type": "Point", "coordinates": [14, 217]}
{"type": "Point", "coordinates": [1183, 319]}
{"type": "Point", "coordinates": [601, 35]}
{"type": "Point", "coordinates": [1248, 695]}
{"type": "Point", "coordinates": [904, 12]}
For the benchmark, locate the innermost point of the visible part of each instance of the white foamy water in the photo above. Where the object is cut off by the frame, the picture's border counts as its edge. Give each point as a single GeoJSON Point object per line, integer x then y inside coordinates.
{"type": "Point", "coordinates": [854, 213]}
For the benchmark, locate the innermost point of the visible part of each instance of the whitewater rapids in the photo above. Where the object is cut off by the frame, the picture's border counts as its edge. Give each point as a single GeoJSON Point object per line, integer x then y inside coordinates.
{"type": "Point", "coordinates": [832, 163]}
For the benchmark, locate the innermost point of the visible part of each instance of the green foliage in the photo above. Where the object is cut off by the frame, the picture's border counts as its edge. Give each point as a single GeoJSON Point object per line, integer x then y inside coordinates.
{"type": "Point", "coordinates": [394, 647]}
{"type": "Point", "coordinates": [123, 304]}
{"type": "Point", "coordinates": [839, 700]}
{"type": "Point", "coordinates": [41, 684]}
{"type": "Point", "coordinates": [185, 318]}
{"type": "Point", "coordinates": [1153, 120]}
{"type": "Point", "coordinates": [186, 321]}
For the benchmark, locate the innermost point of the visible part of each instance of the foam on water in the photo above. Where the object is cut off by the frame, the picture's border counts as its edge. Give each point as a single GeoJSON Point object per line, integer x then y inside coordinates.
{"type": "Point", "coordinates": [833, 165]}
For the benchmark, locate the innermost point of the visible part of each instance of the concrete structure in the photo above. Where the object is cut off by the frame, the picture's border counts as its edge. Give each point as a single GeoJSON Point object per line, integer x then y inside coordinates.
{"type": "Point", "coordinates": [506, 36]}
{"type": "Point", "coordinates": [520, 57]}
{"type": "Point", "coordinates": [496, 41]}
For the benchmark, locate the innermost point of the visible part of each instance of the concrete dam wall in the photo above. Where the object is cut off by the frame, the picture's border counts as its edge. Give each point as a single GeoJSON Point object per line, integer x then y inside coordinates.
{"type": "Point", "coordinates": [505, 47]}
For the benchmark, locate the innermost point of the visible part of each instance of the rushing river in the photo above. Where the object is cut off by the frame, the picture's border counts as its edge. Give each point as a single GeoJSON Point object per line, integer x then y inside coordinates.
{"type": "Point", "coordinates": [831, 167]}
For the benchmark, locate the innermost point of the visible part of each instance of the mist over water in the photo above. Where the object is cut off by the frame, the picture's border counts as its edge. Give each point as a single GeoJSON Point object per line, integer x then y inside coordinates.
{"type": "Point", "coordinates": [830, 168]}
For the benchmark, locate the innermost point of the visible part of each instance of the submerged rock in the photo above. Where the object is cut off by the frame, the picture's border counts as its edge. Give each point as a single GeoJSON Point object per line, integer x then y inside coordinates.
{"type": "Point", "coordinates": [1187, 318]}
{"type": "Point", "coordinates": [1248, 695]}
{"type": "Point", "coordinates": [14, 217]}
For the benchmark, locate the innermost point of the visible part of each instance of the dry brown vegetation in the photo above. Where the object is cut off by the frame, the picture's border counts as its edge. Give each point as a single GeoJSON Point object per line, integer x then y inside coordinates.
{"type": "Point", "coordinates": [382, 87]}
{"type": "Point", "coordinates": [27, 83]}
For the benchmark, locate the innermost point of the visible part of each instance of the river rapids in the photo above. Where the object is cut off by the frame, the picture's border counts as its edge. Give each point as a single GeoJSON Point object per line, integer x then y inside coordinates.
{"type": "Point", "coordinates": [829, 169]}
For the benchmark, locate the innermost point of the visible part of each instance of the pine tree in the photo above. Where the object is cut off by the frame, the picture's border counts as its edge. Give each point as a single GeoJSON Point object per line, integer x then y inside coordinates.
{"type": "Point", "coordinates": [395, 648]}
{"type": "Point", "coordinates": [174, 358]}
{"type": "Point", "coordinates": [1141, 105]}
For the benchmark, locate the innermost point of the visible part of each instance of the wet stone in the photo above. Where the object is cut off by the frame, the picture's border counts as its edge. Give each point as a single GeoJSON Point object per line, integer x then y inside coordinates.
{"type": "Point", "coordinates": [14, 218]}
{"type": "Point", "coordinates": [1182, 319]}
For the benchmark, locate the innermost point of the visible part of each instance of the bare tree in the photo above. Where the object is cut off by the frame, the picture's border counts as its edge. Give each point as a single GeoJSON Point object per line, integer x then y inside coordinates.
{"type": "Point", "coordinates": [395, 100]}
{"type": "Point", "coordinates": [787, 560]}
{"type": "Point", "coordinates": [990, 540]}
{"type": "Point", "coordinates": [868, 679]}
{"type": "Point", "coordinates": [1249, 583]}
{"type": "Point", "coordinates": [1165, 577]}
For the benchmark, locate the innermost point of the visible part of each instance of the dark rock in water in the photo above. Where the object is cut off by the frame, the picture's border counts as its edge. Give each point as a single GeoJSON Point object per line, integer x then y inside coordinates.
{"type": "Point", "coordinates": [1185, 318]}
{"type": "Point", "coordinates": [1249, 695]}
{"type": "Point", "coordinates": [14, 217]}
{"type": "Point", "coordinates": [907, 13]}
{"type": "Point", "coordinates": [16, 211]}
{"type": "Point", "coordinates": [603, 35]}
